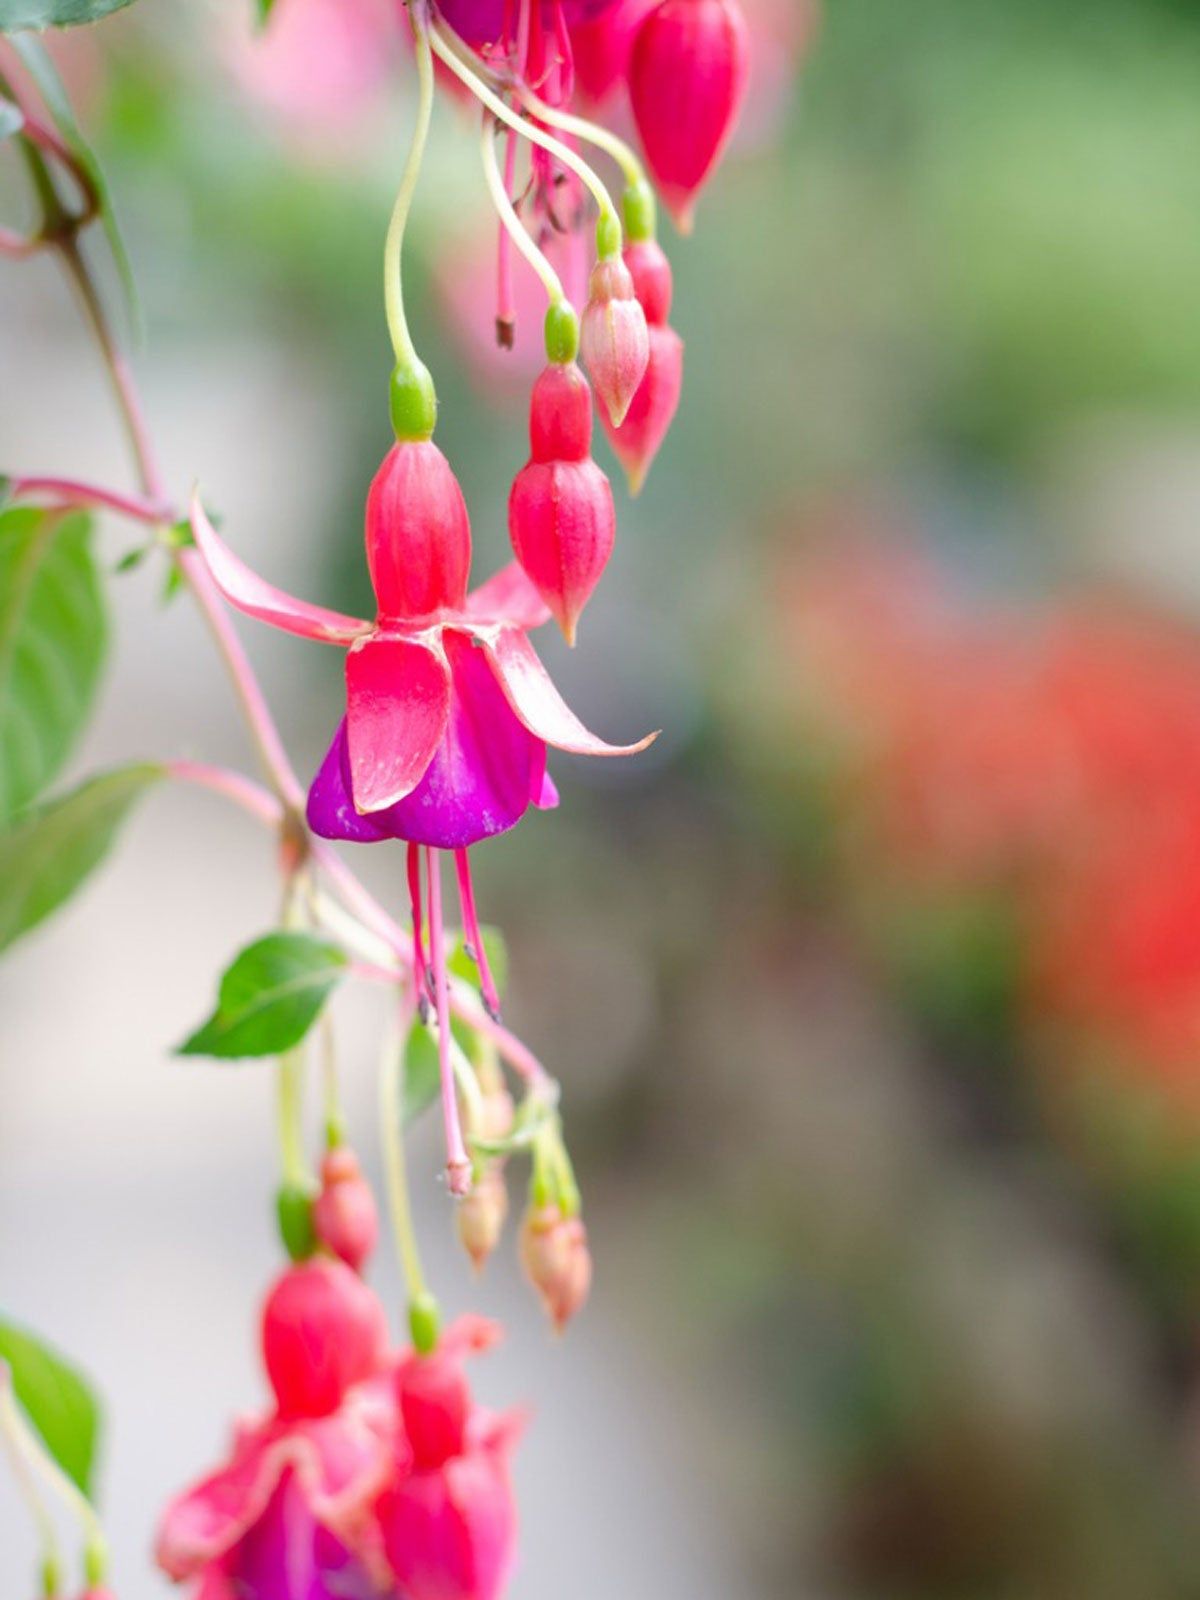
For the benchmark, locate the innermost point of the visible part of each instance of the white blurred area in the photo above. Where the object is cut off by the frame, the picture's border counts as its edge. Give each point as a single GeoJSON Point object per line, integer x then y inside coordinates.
{"type": "Point", "coordinates": [135, 1188]}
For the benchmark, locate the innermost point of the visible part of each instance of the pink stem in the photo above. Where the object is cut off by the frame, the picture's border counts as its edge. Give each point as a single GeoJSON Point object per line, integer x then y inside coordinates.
{"type": "Point", "coordinates": [458, 1164]}
{"type": "Point", "coordinates": [506, 314]}
{"type": "Point", "coordinates": [73, 492]}
{"type": "Point", "coordinates": [243, 791]}
{"type": "Point", "coordinates": [475, 945]}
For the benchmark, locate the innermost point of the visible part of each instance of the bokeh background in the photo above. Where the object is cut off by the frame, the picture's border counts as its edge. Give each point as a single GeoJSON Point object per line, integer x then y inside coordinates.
{"type": "Point", "coordinates": [875, 987]}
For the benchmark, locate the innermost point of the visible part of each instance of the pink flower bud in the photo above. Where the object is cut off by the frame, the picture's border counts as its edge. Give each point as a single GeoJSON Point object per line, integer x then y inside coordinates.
{"type": "Point", "coordinates": [418, 533]}
{"type": "Point", "coordinates": [557, 1261]}
{"type": "Point", "coordinates": [601, 47]}
{"type": "Point", "coordinates": [639, 438]}
{"type": "Point", "coordinates": [345, 1215]}
{"type": "Point", "coordinates": [434, 1402]}
{"type": "Point", "coordinates": [687, 80]}
{"type": "Point", "coordinates": [481, 1216]}
{"type": "Point", "coordinates": [613, 340]}
{"type": "Point", "coordinates": [653, 281]}
{"type": "Point", "coordinates": [561, 516]}
{"type": "Point", "coordinates": [323, 1330]}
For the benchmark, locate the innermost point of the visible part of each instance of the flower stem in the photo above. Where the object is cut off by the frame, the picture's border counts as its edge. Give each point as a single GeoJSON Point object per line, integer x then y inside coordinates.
{"type": "Point", "coordinates": [393, 283]}
{"type": "Point", "coordinates": [591, 133]}
{"type": "Point", "coordinates": [517, 231]}
{"type": "Point", "coordinates": [27, 1484]}
{"type": "Point", "coordinates": [23, 1442]}
{"type": "Point", "coordinates": [423, 1314]}
{"type": "Point", "coordinates": [71, 493]}
{"type": "Point", "coordinates": [440, 38]}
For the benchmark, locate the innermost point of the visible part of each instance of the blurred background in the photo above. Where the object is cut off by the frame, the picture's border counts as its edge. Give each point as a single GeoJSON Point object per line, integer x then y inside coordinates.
{"type": "Point", "coordinates": [875, 987]}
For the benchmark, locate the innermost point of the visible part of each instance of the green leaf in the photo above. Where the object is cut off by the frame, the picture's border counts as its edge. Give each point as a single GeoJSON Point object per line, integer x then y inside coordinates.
{"type": "Point", "coordinates": [52, 90]}
{"type": "Point", "coordinates": [47, 852]}
{"type": "Point", "coordinates": [269, 998]}
{"type": "Point", "coordinates": [462, 966]}
{"type": "Point", "coordinates": [422, 1073]}
{"type": "Point", "coordinates": [12, 119]}
{"type": "Point", "coordinates": [53, 635]}
{"type": "Point", "coordinates": [55, 1398]}
{"type": "Point", "coordinates": [18, 14]}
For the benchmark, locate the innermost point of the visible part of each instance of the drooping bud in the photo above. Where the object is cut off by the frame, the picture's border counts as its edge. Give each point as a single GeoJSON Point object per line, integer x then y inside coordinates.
{"type": "Point", "coordinates": [561, 516]}
{"type": "Point", "coordinates": [418, 533]}
{"type": "Point", "coordinates": [687, 79]}
{"type": "Point", "coordinates": [345, 1214]}
{"type": "Point", "coordinates": [600, 47]}
{"type": "Point", "coordinates": [639, 438]}
{"type": "Point", "coordinates": [481, 1216]}
{"type": "Point", "coordinates": [613, 341]}
{"type": "Point", "coordinates": [323, 1330]}
{"type": "Point", "coordinates": [556, 1260]}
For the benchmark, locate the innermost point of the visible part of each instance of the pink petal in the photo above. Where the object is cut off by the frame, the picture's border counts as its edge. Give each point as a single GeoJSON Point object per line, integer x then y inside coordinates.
{"type": "Point", "coordinates": [205, 1522]}
{"type": "Point", "coordinates": [508, 596]}
{"type": "Point", "coordinates": [397, 707]}
{"type": "Point", "coordinates": [532, 695]}
{"type": "Point", "coordinates": [257, 598]}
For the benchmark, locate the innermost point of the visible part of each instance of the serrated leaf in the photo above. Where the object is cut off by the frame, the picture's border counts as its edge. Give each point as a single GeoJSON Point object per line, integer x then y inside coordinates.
{"type": "Point", "coordinates": [422, 1073]}
{"type": "Point", "coordinates": [12, 119]}
{"type": "Point", "coordinates": [53, 637]}
{"type": "Point", "coordinates": [269, 997]}
{"type": "Point", "coordinates": [18, 14]}
{"type": "Point", "coordinates": [53, 91]}
{"type": "Point", "coordinates": [49, 851]}
{"type": "Point", "coordinates": [57, 1401]}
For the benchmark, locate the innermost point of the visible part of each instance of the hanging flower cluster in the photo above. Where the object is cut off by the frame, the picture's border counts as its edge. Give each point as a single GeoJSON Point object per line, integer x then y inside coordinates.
{"type": "Point", "coordinates": [375, 1474]}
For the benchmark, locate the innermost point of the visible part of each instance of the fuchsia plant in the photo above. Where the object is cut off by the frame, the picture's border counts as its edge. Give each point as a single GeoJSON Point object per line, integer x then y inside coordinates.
{"type": "Point", "coordinates": [375, 1473]}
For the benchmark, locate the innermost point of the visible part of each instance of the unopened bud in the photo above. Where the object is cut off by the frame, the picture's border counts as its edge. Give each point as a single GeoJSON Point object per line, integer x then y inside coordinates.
{"type": "Point", "coordinates": [481, 1216]}
{"type": "Point", "coordinates": [345, 1215]}
{"type": "Point", "coordinates": [556, 1260]}
{"type": "Point", "coordinates": [613, 341]}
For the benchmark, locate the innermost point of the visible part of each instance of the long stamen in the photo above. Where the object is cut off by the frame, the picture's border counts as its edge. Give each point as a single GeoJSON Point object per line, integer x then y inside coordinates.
{"type": "Point", "coordinates": [475, 945]}
{"type": "Point", "coordinates": [458, 1163]}
{"type": "Point", "coordinates": [422, 987]}
{"type": "Point", "coordinates": [506, 313]}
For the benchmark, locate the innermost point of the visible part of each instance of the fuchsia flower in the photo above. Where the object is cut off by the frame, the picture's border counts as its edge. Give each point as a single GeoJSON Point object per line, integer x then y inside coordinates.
{"type": "Point", "coordinates": [448, 1521]}
{"type": "Point", "coordinates": [687, 79]}
{"type": "Point", "coordinates": [614, 342]}
{"type": "Point", "coordinates": [556, 1260]}
{"type": "Point", "coordinates": [602, 45]}
{"type": "Point", "coordinates": [449, 711]}
{"type": "Point", "coordinates": [288, 1516]}
{"type": "Point", "coordinates": [493, 21]}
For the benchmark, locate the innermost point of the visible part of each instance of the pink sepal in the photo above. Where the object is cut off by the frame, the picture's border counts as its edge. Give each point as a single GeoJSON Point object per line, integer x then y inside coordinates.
{"type": "Point", "coordinates": [530, 691]}
{"type": "Point", "coordinates": [257, 598]}
{"type": "Point", "coordinates": [508, 596]}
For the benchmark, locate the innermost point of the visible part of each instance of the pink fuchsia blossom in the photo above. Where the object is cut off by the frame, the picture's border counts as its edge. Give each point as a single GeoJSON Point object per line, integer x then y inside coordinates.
{"type": "Point", "coordinates": [561, 516]}
{"type": "Point", "coordinates": [687, 79]}
{"type": "Point", "coordinates": [491, 22]}
{"type": "Point", "coordinates": [449, 711]}
{"type": "Point", "coordinates": [287, 1517]}
{"type": "Point", "coordinates": [602, 46]}
{"type": "Point", "coordinates": [345, 1215]}
{"type": "Point", "coordinates": [448, 1519]}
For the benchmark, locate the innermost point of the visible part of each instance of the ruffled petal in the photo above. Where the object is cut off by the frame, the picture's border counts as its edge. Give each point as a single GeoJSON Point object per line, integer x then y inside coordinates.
{"type": "Point", "coordinates": [531, 693]}
{"type": "Point", "coordinates": [203, 1524]}
{"type": "Point", "coordinates": [508, 597]}
{"type": "Point", "coordinates": [258, 598]}
{"type": "Point", "coordinates": [397, 706]}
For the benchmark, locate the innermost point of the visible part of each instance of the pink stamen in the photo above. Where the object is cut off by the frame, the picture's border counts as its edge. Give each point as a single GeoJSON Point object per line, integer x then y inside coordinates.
{"type": "Point", "coordinates": [458, 1163]}
{"type": "Point", "coordinates": [421, 982]}
{"type": "Point", "coordinates": [475, 945]}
